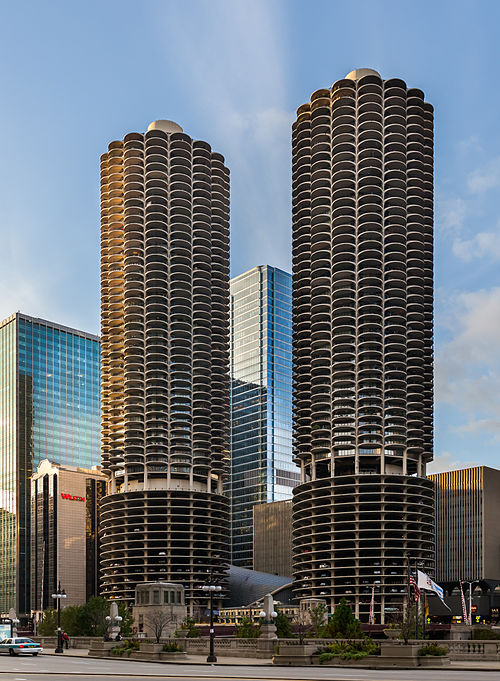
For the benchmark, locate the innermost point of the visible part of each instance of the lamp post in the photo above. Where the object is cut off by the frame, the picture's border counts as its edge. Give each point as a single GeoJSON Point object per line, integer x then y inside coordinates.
{"type": "Point", "coordinates": [211, 588]}
{"type": "Point", "coordinates": [13, 627]}
{"type": "Point", "coordinates": [476, 581]}
{"type": "Point", "coordinates": [58, 595]}
{"type": "Point", "coordinates": [113, 625]}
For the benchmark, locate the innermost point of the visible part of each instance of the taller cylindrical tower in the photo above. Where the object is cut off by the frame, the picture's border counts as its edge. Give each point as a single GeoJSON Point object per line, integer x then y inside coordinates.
{"type": "Point", "coordinates": [165, 361]}
{"type": "Point", "coordinates": [363, 334]}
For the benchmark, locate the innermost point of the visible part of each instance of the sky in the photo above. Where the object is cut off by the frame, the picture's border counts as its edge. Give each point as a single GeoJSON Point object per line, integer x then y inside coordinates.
{"type": "Point", "coordinates": [76, 75]}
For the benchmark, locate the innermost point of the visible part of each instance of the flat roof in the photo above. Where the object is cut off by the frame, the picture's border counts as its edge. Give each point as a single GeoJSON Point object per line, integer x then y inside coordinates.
{"type": "Point", "coordinates": [46, 322]}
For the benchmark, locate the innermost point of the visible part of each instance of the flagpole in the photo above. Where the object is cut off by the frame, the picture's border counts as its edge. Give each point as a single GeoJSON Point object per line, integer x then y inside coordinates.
{"type": "Point", "coordinates": [416, 602]}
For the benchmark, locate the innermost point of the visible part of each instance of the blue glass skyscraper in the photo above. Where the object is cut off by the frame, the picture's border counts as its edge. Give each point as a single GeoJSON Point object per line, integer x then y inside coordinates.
{"type": "Point", "coordinates": [49, 409]}
{"type": "Point", "coordinates": [262, 469]}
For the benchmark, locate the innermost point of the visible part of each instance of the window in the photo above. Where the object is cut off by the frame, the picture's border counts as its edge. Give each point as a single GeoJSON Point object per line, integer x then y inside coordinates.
{"type": "Point", "coordinates": [165, 596]}
{"type": "Point", "coordinates": [156, 596]}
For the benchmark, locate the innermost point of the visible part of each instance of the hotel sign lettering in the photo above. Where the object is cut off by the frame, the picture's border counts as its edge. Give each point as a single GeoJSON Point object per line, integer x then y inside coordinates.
{"type": "Point", "coordinates": [71, 497]}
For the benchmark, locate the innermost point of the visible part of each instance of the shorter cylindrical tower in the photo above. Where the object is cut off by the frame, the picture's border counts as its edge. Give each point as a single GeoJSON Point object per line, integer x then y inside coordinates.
{"type": "Point", "coordinates": [165, 362]}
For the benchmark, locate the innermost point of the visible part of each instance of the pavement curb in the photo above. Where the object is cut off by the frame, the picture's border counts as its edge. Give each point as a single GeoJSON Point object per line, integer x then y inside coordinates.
{"type": "Point", "coordinates": [265, 665]}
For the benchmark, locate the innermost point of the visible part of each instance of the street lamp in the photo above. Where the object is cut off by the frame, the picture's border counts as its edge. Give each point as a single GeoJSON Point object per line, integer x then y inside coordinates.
{"type": "Point", "coordinates": [60, 593]}
{"type": "Point", "coordinates": [211, 588]}
{"type": "Point", "coordinates": [476, 581]}
{"type": "Point", "coordinates": [13, 626]}
{"type": "Point", "coordinates": [113, 624]}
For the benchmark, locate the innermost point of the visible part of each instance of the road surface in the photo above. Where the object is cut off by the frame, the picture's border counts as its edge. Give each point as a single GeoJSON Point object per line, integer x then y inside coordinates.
{"type": "Point", "coordinates": [52, 668]}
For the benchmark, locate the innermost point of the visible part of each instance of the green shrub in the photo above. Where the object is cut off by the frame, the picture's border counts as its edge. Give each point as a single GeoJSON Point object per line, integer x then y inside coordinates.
{"type": "Point", "coordinates": [188, 629]}
{"type": "Point", "coordinates": [342, 624]}
{"type": "Point", "coordinates": [247, 629]}
{"type": "Point", "coordinates": [125, 648]}
{"type": "Point", "coordinates": [348, 650]}
{"type": "Point", "coordinates": [432, 650]}
{"type": "Point", "coordinates": [283, 626]}
{"type": "Point", "coordinates": [172, 648]}
{"type": "Point", "coordinates": [485, 635]}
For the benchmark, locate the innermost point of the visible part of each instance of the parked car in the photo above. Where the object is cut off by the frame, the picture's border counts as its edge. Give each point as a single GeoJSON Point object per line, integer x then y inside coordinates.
{"type": "Point", "coordinates": [20, 646]}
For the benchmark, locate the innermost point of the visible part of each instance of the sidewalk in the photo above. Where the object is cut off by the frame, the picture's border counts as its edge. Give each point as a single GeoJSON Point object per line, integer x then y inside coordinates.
{"type": "Point", "coordinates": [476, 665]}
{"type": "Point", "coordinates": [190, 659]}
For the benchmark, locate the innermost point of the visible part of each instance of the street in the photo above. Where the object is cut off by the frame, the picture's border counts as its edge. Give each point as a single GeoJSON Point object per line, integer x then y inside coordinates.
{"type": "Point", "coordinates": [48, 667]}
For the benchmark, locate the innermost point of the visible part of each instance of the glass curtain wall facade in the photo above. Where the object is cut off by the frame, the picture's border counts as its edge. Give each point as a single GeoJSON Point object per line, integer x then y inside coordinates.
{"type": "Point", "coordinates": [49, 409]}
{"type": "Point", "coordinates": [262, 469]}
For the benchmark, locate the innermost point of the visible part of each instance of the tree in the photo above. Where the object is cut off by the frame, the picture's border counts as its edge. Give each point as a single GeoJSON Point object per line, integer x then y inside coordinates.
{"type": "Point", "coordinates": [94, 614]}
{"type": "Point", "coordinates": [247, 629]}
{"type": "Point", "coordinates": [127, 620]}
{"type": "Point", "coordinates": [283, 626]}
{"type": "Point", "coordinates": [157, 620]}
{"type": "Point", "coordinates": [48, 625]}
{"type": "Point", "coordinates": [187, 629]}
{"type": "Point", "coordinates": [318, 617]}
{"type": "Point", "coordinates": [342, 623]}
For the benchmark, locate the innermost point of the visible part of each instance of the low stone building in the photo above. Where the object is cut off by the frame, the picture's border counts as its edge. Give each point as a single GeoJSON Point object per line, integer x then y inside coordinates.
{"type": "Point", "coordinates": [159, 608]}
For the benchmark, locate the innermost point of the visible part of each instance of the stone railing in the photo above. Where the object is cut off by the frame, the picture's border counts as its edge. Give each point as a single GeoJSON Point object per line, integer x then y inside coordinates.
{"type": "Point", "coordinates": [260, 648]}
{"type": "Point", "coordinates": [74, 641]}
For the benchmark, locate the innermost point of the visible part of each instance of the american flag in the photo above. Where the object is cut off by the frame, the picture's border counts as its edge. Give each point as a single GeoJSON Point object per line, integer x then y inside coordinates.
{"type": "Point", "coordinates": [413, 583]}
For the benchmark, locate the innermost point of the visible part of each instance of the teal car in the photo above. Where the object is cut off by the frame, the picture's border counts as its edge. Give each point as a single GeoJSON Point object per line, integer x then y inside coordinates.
{"type": "Point", "coordinates": [20, 646]}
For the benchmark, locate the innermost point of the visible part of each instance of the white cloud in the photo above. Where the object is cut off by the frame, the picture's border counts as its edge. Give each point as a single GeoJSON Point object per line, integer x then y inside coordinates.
{"type": "Point", "coordinates": [468, 366]}
{"type": "Point", "coordinates": [448, 462]}
{"type": "Point", "coordinates": [481, 245]}
{"type": "Point", "coordinates": [450, 214]}
{"type": "Point", "coordinates": [232, 63]}
{"type": "Point", "coordinates": [482, 179]}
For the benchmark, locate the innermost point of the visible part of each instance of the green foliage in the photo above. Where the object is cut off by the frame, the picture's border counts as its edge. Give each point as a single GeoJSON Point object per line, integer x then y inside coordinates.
{"type": "Point", "coordinates": [125, 648]}
{"type": "Point", "coordinates": [348, 650]}
{"type": "Point", "coordinates": [342, 624]}
{"type": "Point", "coordinates": [187, 629]}
{"type": "Point", "coordinates": [48, 626]}
{"type": "Point", "coordinates": [127, 620]}
{"type": "Point", "coordinates": [283, 626]}
{"type": "Point", "coordinates": [247, 629]}
{"type": "Point", "coordinates": [433, 650]}
{"type": "Point", "coordinates": [318, 617]}
{"type": "Point", "coordinates": [172, 648]}
{"type": "Point", "coordinates": [88, 619]}
{"type": "Point", "coordinates": [485, 635]}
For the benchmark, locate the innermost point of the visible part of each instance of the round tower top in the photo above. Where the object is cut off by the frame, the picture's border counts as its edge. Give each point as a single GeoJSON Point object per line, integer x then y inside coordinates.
{"type": "Point", "coordinates": [361, 73]}
{"type": "Point", "coordinates": [165, 126]}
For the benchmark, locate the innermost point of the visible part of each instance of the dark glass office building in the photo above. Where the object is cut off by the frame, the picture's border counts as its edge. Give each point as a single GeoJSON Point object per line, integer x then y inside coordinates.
{"type": "Point", "coordinates": [49, 409]}
{"type": "Point", "coordinates": [262, 469]}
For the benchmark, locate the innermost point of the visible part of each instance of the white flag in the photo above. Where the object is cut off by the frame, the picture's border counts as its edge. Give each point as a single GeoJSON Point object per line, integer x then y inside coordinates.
{"type": "Point", "coordinates": [425, 582]}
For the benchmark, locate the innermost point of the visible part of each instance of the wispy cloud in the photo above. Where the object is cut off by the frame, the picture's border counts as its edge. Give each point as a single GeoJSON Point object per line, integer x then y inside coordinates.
{"type": "Point", "coordinates": [482, 179]}
{"type": "Point", "coordinates": [481, 245]}
{"type": "Point", "coordinates": [231, 58]}
{"type": "Point", "coordinates": [468, 366]}
{"type": "Point", "coordinates": [450, 214]}
{"type": "Point", "coordinates": [447, 462]}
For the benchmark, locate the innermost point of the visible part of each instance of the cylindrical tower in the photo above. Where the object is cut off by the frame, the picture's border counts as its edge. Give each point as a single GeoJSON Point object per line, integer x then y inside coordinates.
{"type": "Point", "coordinates": [165, 362]}
{"type": "Point", "coordinates": [362, 335]}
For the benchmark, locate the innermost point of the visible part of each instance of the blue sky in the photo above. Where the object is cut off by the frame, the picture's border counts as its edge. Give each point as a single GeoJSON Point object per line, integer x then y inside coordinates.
{"type": "Point", "coordinates": [76, 75]}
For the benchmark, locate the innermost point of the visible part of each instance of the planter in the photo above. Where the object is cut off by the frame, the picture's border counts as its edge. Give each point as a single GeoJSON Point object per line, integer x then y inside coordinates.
{"type": "Point", "coordinates": [368, 661]}
{"type": "Point", "coordinates": [151, 647]}
{"type": "Point", "coordinates": [392, 633]}
{"type": "Point", "coordinates": [433, 661]}
{"type": "Point", "coordinates": [173, 657]}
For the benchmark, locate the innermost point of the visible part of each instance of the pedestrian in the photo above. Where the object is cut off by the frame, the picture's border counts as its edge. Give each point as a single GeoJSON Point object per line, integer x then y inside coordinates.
{"type": "Point", "coordinates": [65, 638]}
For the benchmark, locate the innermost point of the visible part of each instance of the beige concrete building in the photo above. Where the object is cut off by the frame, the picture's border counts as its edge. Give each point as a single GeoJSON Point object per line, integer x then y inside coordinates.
{"type": "Point", "coordinates": [362, 291]}
{"type": "Point", "coordinates": [272, 538]}
{"type": "Point", "coordinates": [467, 525]}
{"type": "Point", "coordinates": [159, 608]}
{"type": "Point", "coordinates": [64, 533]}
